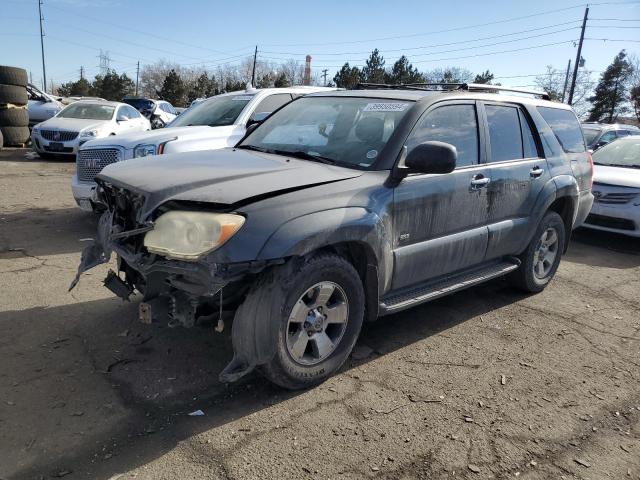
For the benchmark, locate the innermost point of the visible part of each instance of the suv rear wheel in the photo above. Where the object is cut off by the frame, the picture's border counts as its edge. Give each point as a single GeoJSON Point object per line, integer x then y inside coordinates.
{"type": "Point", "coordinates": [321, 319]}
{"type": "Point", "coordinates": [541, 259]}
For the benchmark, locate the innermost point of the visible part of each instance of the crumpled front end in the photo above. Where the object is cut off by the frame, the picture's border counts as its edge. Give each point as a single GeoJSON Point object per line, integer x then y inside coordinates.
{"type": "Point", "coordinates": [174, 292]}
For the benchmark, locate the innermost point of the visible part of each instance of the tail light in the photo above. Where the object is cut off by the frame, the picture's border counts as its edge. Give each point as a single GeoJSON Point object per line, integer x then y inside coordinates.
{"type": "Point", "coordinates": [590, 158]}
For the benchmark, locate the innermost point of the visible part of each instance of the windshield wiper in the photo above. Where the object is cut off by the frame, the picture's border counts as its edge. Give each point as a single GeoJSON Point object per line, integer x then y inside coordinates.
{"type": "Point", "coordinates": [305, 156]}
{"type": "Point", "coordinates": [255, 149]}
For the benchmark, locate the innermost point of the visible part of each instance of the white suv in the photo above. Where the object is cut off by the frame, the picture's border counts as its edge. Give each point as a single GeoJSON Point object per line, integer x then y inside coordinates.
{"type": "Point", "coordinates": [217, 122]}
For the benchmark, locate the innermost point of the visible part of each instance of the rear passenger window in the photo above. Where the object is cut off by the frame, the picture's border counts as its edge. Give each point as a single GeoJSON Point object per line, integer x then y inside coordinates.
{"type": "Point", "coordinates": [454, 124]}
{"type": "Point", "coordinates": [504, 132]}
{"type": "Point", "coordinates": [272, 103]}
{"type": "Point", "coordinates": [565, 127]}
{"type": "Point", "coordinates": [529, 143]}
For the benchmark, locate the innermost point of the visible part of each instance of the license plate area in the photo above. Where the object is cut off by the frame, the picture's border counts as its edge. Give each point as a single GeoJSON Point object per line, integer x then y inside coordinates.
{"type": "Point", "coordinates": [56, 146]}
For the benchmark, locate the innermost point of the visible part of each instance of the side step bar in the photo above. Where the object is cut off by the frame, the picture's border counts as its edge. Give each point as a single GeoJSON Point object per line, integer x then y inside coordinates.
{"type": "Point", "coordinates": [402, 300]}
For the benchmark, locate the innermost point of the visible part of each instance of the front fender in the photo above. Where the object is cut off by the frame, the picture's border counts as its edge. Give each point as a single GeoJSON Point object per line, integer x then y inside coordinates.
{"type": "Point", "coordinates": [308, 233]}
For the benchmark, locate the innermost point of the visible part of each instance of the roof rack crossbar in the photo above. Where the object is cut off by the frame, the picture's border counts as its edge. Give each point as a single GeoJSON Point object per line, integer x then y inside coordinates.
{"type": "Point", "coordinates": [477, 87]}
{"type": "Point", "coordinates": [488, 87]}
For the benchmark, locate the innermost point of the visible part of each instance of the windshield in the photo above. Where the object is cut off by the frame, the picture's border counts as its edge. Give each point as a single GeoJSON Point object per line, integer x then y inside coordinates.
{"type": "Point", "coordinates": [624, 152]}
{"type": "Point", "coordinates": [215, 112]}
{"type": "Point", "coordinates": [590, 134]}
{"type": "Point", "coordinates": [344, 130]}
{"type": "Point", "coordinates": [88, 111]}
{"type": "Point", "coordinates": [140, 104]}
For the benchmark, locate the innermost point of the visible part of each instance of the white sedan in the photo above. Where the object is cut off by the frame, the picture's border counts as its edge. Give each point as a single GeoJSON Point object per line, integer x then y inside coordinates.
{"type": "Point", "coordinates": [82, 121]}
{"type": "Point", "coordinates": [616, 187]}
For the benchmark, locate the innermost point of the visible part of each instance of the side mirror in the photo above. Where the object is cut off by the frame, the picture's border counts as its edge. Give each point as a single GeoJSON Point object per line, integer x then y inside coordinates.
{"type": "Point", "coordinates": [121, 118]}
{"type": "Point", "coordinates": [432, 157]}
{"type": "Point", "coordinates": [257, 117]}
{"type": "Point", "coordinates": [251, 127]}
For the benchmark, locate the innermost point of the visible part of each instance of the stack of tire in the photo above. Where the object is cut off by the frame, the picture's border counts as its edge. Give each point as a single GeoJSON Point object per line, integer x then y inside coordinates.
{"type": "Point", "coordinates": [14, 116]}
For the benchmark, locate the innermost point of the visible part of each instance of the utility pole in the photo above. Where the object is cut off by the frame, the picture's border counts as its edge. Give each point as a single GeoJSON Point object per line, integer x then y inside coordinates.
{"type": "Point", "coordinates": [324, 76]}
{"type": "Point", "coordinates": [52, 92]}
{"type": "Point", "coordinates": [253, 73]}
{"type": "Point", "coordinates": [137, 76]}
{"type": "Point", "coordinates": [81, 72]}
{"type": "Point", "coordinates": [578, 57]}
{"type": "Point", "coordinates": [44, 70]}
{"type": "Point", "coordinates": [30, 77]}
{"type": "Point", "coordinates": [566, 80]}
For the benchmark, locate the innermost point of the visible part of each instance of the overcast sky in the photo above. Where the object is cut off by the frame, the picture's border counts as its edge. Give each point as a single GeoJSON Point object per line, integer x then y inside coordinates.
{"type": "Point", "coordinates": [511, 38]}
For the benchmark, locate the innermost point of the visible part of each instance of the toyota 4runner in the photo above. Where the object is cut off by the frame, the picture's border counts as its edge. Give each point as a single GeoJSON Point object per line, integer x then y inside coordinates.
{"type": "Point", "coordinates": [342, 207]}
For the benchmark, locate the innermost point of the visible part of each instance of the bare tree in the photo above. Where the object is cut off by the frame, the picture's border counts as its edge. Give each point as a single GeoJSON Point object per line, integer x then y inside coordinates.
{"type": "Point", "coordinates": [553, 81]}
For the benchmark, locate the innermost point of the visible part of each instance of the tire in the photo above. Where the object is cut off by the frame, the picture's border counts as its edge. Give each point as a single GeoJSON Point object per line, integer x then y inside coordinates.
{"type": "Point", "coordinates": [13, 76]}
{"type": "Point", "coordinates": [15, 135]}
{"type": "Point", "coordinates": [328, 270]}
{"type": "Point", "coordinates": [530, 277]}
{"type": "Point", "coordinates": [14, 117]}
{"type": "Point", "coordinates": [13, 94]}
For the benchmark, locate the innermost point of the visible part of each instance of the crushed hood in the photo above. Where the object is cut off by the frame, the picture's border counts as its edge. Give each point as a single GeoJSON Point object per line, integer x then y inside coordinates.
{"type": "Point", "coordinates": [227, 176]}
{"type": "Point", "coordinates": [622, 177]}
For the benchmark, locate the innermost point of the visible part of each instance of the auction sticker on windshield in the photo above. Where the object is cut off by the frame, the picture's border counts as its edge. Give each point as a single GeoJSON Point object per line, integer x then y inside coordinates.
{"type": "Point", "coordinates": [385, 107]}
{"type": "Point", "coordinates": [243, 97]}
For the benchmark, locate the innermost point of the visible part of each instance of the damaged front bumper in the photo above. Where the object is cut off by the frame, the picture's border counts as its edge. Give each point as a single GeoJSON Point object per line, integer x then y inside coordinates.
{"type": "Point", "coordinates": [176, 293]}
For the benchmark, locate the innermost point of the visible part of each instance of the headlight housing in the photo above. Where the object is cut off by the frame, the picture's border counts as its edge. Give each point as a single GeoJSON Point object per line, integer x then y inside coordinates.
{"type": "Point", "coordinates": [188, 236]}
{"type": "Point", "coordinates": [89, 133]}
{"type": "Point", "coordinates": [144, 150]}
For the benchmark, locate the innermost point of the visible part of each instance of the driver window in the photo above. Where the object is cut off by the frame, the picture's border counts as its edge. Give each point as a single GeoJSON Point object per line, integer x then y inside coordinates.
{"type": "Point", "coordinates": [454, 124]}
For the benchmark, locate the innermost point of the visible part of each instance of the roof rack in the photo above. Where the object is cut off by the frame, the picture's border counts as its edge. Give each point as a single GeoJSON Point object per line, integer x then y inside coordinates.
{"type": "Point", "coordinates": [440, 87]}
{"type": "Point", "coordinates": [479, 87]}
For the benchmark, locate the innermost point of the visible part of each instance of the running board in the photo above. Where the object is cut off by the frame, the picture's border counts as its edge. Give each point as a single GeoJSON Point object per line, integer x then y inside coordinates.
{"type": "Point", "coordinates": [414, 296]}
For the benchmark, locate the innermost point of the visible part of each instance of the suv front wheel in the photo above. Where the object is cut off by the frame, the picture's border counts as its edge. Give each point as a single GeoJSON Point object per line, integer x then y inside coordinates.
{"type": "Point", "coordinates": [322, 315]}
{"type": "Point", "coordinates": [541, 259]}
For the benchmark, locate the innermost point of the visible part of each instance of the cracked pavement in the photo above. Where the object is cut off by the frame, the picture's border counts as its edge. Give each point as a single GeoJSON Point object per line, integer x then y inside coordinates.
{"type": "Point", "coordinates": [484, 384]}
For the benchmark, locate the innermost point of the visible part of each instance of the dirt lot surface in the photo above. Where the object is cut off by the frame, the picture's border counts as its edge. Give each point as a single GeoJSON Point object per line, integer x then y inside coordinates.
{"type": "Point", "coordinates": [487, 383]}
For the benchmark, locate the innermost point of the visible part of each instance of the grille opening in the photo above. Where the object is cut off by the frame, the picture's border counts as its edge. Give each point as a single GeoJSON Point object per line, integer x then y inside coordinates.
{"type": "Point", "coordinates": [58, 135]}
{"type": "Point", "coordinates": [610, 222]}
{"type": "Point", "coordinates": [91, 162]}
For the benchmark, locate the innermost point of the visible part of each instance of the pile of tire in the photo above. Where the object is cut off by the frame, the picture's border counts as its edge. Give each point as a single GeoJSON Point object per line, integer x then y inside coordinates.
{"type": "Point", "coordinates": [14, 116]}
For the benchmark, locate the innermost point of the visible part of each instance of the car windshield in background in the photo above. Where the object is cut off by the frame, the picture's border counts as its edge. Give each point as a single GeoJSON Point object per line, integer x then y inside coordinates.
{"type": "Point", "coordinates": [624, 152]}
{"type": "Point", "coordinates": [590, 134]}
{"type": "Point", "coordinates": [343, 130]}
{"type": "Point", "coordinates": [140, 104]}
{"type": "Point", "coordinates": [88, 111]}
{"type": "Point", "coordinates": [215, 112]}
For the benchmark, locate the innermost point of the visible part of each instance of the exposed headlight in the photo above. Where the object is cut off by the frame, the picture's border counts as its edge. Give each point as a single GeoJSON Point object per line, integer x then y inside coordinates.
{"type": "Point", "coordinates": [144, 151]}
{"type": "Point", "coordinates": [189, 235]}
{"type": "Point", "coordinates": [89, 133]}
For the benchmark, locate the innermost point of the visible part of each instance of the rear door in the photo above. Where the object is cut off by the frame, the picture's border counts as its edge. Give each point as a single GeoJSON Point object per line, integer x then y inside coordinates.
{"type": "Point", "coordinates": [518, 173]}
{"type": "Point", "coordinates": [440, 220]}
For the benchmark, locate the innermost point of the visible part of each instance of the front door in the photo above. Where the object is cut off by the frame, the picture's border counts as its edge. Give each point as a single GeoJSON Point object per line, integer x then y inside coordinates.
{"type": "Point", "coordinates": [518, 172]}
{"type": "Point", "coordinates": [440, 220]}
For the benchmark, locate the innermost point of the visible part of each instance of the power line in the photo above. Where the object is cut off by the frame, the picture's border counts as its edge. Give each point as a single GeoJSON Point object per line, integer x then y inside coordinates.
{"type": "Point", "coordinates": [612, 40]}
{"type": "Point", "coordinates": [434, 45]}
{"type": "Point", "coordinates": [456, 29]}
{"type": "Point", "coordinates": [465, 48]}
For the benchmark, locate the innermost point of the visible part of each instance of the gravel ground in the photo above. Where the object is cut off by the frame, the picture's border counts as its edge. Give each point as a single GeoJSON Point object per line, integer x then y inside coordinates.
{"type": "Point", "coordinates": [487, 383]}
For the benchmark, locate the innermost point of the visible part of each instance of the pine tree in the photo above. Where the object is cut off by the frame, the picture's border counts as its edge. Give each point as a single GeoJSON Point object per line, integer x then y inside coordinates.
{"type": "Point", "coordinates": [173, 90]}
{"type": "Point", "coordinates": [112, 86]}
{"type": "Point", "coordinates": [348, 77]}
{"type": "Point", "coordinates": [80, 88]}
{"type": "Point", "coordinates": [484, 77]}
{"type": "Point", "coordinates": [281, 81]}
{"type": "Point", "coordinates": [611, 97]}
{"type": "Point", "coordinates": [403, 72]}
{"type": "Point", "coordinates": [373, 71]}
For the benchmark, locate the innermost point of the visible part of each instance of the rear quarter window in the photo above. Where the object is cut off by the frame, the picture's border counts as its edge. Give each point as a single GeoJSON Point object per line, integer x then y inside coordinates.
{"type": "Point", "coordinates": [566, 128]}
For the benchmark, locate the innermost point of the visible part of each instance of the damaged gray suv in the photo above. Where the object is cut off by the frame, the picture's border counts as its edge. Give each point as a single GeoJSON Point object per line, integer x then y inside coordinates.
{"type": "Point", "coordinates": [340, 208]}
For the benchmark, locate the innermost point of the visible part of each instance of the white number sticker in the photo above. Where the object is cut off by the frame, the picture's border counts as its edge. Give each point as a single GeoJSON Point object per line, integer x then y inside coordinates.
{"type": "Point", "coordinates": [385, 107]}
{"type": "Point", "coordinates": [243, 97]}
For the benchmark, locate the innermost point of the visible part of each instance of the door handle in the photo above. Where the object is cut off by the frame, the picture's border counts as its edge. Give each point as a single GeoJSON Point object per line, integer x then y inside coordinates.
{"type": "Point", "coordinates": [479, 181]}
{"type": "Point", "coordinates": [536, 171]}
